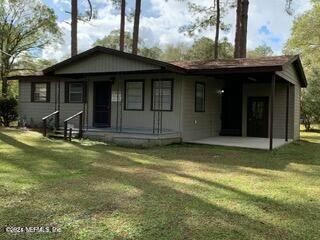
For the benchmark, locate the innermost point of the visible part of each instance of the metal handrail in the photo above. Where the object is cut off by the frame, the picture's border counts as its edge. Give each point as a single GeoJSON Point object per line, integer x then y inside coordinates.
{"type": "Point", "coordinates": [44, 121]}
{"type": "Point", "coordinates": [50, 115]}
{"type": "Point", "coordinates": [65, 132]}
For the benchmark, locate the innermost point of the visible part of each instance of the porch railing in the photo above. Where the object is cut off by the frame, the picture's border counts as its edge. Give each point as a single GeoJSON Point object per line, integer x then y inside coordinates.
{"type": "Point", "coordinates": [65, 132]}
{"type": "Point", "coordinates": [55, 114]}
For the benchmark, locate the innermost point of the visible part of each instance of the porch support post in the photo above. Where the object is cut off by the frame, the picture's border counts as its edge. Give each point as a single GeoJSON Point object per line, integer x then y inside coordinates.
{"type": "Point", "coordinates": [287, 111]}
{"type": "Point", "coordinates": [117, 115]}
{"type": "Point", "coordinates": [272, 97]}
{"type": "Point", "coordinates": [121, 101]}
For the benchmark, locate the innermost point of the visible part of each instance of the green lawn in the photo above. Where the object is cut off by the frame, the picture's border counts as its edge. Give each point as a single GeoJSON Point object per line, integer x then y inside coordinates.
{"type": "Point", "coordinates": [96, 191]}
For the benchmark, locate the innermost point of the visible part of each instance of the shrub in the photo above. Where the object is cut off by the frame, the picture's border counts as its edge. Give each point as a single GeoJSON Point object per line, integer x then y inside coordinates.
{"type": "Point", "coordinates": [8, 111]}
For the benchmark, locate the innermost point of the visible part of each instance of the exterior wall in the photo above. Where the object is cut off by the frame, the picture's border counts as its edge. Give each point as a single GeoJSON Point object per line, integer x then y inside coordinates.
{"type": "Point", "coordinates": [297, 102]}
{"type": "Point", "coordinates": [105, 63]}
{"type": "Point", "coordinates": [290, 74]}
{"type": "Point", "coordinates": [143, 120]}
{"type": "Point", "coordinates": [192, 125]}
{"type": "Point", "coordinates": [32, 112]}
{"type": "Point", "coordinates": [197, 125]}
{"type": "Point", "coordinates": [263, 90]}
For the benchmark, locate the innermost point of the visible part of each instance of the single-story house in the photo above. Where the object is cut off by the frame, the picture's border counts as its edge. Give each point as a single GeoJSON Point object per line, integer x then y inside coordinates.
{"type": "Point", "coordinates": [126, 97]}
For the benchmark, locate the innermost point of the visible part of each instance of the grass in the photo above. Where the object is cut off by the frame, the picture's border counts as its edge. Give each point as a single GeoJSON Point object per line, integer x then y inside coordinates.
{"type": "Point", "coordinates": [96, 191]}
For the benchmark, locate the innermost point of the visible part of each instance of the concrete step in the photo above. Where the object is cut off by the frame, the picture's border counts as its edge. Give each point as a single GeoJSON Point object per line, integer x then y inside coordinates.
{"type": "Point", "coordinates": [60, 134]}
{"type": "Point", "coordinates": [53, 135]}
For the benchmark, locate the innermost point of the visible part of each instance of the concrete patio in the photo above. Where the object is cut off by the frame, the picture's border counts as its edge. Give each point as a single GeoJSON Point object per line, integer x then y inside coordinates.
{"type": "Point", "coordinates": [243, 142]}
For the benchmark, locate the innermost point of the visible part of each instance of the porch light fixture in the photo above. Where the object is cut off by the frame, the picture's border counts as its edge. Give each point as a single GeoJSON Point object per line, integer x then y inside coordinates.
{"type": "Point", "coordinates": [220, 92]}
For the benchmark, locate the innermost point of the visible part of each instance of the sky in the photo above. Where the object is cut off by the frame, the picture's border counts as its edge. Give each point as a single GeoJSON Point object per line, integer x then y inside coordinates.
{"type": "Point", "coordinates": [160, 21]}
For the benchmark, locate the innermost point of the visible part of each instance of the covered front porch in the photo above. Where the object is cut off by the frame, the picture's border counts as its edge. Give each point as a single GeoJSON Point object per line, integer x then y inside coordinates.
{"type": "Point", "coordinates": [257, 111]}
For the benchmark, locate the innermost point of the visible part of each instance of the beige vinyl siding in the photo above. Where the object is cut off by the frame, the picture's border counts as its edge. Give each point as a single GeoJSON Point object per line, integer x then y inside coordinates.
{"type": "Point", "coordinates": [297, 102]}
{"type": "Point", "coordinates": [198, 125]}
{"type": "Point", "coordinates": [290, 74]}
{"type": "Point", "coordinates": [141, 119]}
{"type": "Point", "coordinates": [105, 63]}
{"type": "Point", "coordinates": [263, 90]}
{"type": "Point", "coordinates": [192, 125]}
{"type": "Point", "coordinates": [33, 112]}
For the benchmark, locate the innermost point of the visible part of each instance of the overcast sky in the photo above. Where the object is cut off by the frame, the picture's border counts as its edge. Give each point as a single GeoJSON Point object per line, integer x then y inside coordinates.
{"type": "Point", "coordinates": [160, 21]}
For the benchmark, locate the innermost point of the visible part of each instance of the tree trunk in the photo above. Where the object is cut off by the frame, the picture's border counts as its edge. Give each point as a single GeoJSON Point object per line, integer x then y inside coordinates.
{"type": "Point", "coordinates": [122, 24]}
{"type": "Point", "coordinates": [4, 90]}
{"type": "Point", "coordinates": [240, 46]}
{"type": "Point", "coordinates": [216, 43]}
{"type": "Point", "coordinates": [4, 72]}
{"type": "Point", "coordinates": [74, 27]}
{"type": "Point", "coordinates": [136, 27]}
{"type": "Point", "coordinates": [238, 28]}
{"type": "Point", "coordinates": [244, 28]}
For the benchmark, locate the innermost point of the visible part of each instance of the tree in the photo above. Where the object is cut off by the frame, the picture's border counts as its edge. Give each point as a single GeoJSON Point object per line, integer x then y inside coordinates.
{"type": "Point", "coordinates": [305, 40]}
{"type": "Point", "coordinates": [8, 111]}
{"type": "Point", "coordinates": [260, 51]}
{"type": "Point", "coordinates": [175, 52]}
{"type": "Point", "coordinates": [240, 43]}
{"type": "Point", "coordinates": [25, 26]}
{"type": "Point", "coordinates": [74, 27]}
{"type": "Point", "coordinates": [122, 24]}
{"type": "Point", "coordinates": [207, 17]}
{"type": "Point", "coordinates": [153, 52]}
{"type": "Point", "coordinates": [310, 103]}
{"type": "Point", "coordinates": [121, 4]}
{"type": "Point", "coordinates": [75, 17]}
{"type": "Point", "coordinates": [202, 49]}
{"type": "Point", "coordinates": [218, 22]}
{"type": "Point", "coordinates": [226, 49]}
{"type": "Point", "coordinates": [136, 26]}
{"type": "Point", "coordinates": [112, 41]}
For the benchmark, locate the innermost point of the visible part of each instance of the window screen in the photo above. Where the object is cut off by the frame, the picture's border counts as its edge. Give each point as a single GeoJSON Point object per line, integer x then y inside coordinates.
{"type": "Point", "coordinates": [162, 95]}
{"type": "Point", "coordinates": [75, 92]}
{"type": "Point", "coordinates": [200, 97]}
{"type": "Point", "coordinates": [40, 92]}
{"type": "Point", "coordinates": [134, 95]}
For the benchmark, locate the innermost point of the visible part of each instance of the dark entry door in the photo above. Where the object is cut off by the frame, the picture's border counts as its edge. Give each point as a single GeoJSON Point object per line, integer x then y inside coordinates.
{"type": "Point", "coordinates": [231, 114]}
{"type": "Point", "coordinates": [258, 117]}
{"type": "Point", "coordinates": [102, 104]}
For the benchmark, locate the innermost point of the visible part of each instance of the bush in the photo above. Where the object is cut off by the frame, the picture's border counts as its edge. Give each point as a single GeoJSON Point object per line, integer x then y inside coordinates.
{"type": "Point", "coordinates": [8, 111]}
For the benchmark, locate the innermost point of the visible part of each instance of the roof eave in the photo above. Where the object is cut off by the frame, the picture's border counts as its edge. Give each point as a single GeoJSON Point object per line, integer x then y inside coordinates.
{"type": "Point", "coordinates": [236, 70]}
{"type": "Point", "coordinates": [168, 66]}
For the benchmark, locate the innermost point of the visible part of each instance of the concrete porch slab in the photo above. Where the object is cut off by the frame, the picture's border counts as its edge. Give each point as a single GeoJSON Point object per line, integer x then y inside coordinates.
{"type": "Point", "coordinates": [243, 142]}
{"type": "Point", "coordinates": [133, 137]}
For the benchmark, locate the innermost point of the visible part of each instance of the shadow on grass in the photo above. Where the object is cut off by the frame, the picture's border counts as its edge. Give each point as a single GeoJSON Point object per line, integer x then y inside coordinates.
{"type": "Point", "coordinates": [313, 130]}
{"type": "Point", "coordinates": [301, 152]}
{"type": "Point", "coordinates": [146, 204]}
{"type": "Point", "coordinates": [159, 210]}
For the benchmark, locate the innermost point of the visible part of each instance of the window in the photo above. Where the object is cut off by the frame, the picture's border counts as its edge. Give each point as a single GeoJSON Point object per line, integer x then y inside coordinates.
{"type": "Point", "coordinates": [40, 92]}
{"type": "Point", "coordinates": [200, 97]}
{"type": "Point", "coordinates": [134, 95]}
{"type": "Point", "coordinates": [162, 95]}
{"type": "Point", "coordinates": [74, 92]}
